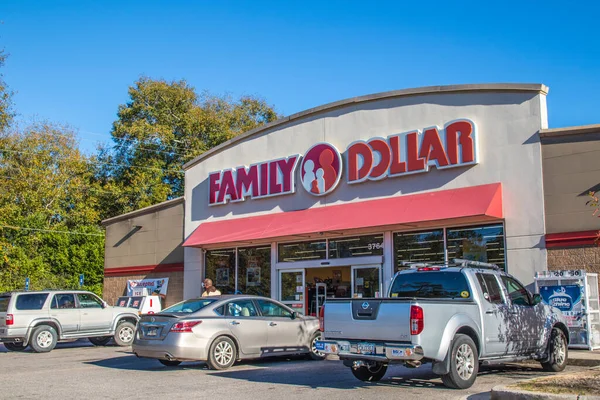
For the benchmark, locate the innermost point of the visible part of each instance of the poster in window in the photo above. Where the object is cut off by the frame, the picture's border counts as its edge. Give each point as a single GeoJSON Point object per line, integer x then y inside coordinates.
{"type": "Point", "coordinates": [474, 250]}
{"type": "Point", "coordinates": [253, 276]}
{"type": "Point", "coordinates": [222, 278]}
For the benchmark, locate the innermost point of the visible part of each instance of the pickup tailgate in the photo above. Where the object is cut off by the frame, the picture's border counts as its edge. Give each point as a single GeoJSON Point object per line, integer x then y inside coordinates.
{"type": "Point", "coordinates": [368, 319]}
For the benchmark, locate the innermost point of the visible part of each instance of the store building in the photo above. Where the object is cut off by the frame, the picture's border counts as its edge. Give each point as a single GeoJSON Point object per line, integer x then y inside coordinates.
{"type": "Point", "coordinates": [349, 192]}
{"type": "Point", "coordinates": [145, 244]}
{"type": "Point", "coordinates": [346, 193]}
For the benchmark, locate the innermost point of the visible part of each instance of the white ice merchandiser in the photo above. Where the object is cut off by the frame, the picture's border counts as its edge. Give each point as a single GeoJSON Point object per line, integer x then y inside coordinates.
{"type": "Point", "coordinates": [575, 293]}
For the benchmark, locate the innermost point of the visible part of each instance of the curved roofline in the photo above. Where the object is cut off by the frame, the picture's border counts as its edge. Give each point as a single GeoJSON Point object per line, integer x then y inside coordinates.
{"type": "Point", "coordinates": [487, 87]}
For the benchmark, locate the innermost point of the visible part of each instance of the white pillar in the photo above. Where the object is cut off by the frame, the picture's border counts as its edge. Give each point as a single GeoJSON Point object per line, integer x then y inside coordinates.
{"type": "Point", "coordinates": [193, 270]}
{"type": "Point", "coordinates": [274, 277]}
{"type": "Point", "coordinates": [388, 261]}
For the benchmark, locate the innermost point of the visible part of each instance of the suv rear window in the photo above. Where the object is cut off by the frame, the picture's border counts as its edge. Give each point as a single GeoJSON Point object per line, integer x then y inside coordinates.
{"type": "Point", "coordinates": [33, 301]}
{"type": "Point", "coordinates": [431, 285]}
{"type": "Point", "coordinates": [4, 303]}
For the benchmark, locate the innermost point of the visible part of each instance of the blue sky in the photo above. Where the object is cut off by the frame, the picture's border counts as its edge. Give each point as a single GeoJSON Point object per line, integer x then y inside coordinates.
{"type": "Point", "coordinates": [72, 61]}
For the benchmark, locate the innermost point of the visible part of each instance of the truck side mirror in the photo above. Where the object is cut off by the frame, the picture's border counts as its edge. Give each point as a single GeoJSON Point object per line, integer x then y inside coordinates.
{"type": "Point", "coordinates": [294, 315]}
{"type": "Point", "coordinates": [537, 299]}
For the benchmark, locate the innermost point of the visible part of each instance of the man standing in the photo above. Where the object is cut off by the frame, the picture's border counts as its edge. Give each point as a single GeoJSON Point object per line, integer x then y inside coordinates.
{"type": "Point", "coordinates": [209, 289]}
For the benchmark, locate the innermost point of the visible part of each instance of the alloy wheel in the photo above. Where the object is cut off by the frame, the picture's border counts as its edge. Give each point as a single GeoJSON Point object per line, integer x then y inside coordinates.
{"type": "Point", "coordinates": [465, 361]}
{"type": "Point", "coordinates": [44, 339]}
{"type": "Point", "coordinates": [313, 347]}
{"type": "Point", "coordinates": [559, 350]}
{"type": "Point", "coordinates": [223, 353]}
{"type": "Point", "coordinates": [126, 334]}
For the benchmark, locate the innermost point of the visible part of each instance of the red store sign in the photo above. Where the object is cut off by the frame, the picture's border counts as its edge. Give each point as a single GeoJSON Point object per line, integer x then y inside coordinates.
{"type": "Point", "coordinates": [375, 159]}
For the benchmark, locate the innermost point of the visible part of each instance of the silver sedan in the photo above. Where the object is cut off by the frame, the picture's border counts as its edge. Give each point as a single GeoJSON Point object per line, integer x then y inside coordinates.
{"type": "Point", "coordinates": [223, 329]}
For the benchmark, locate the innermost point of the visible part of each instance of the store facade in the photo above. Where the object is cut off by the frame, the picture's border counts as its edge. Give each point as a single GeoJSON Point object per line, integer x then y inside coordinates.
{"type": "Point", "coordinates": [346, 194]}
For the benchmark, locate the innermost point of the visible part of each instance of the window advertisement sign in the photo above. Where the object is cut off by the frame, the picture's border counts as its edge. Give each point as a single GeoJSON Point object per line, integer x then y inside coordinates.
{"type": "Point", "coordinates": [566, 298]}
{"type": "Point", "coordinates": [153, 286]}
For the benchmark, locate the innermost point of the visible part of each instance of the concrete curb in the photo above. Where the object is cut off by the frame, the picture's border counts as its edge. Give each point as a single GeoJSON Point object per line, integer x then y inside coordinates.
{"type": "Point", "coordinates": [504, 393]}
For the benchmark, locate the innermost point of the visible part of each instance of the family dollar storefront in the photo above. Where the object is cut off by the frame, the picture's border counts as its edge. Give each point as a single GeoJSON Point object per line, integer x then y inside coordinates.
{"type": "Point", "coordinates": [332, 201]}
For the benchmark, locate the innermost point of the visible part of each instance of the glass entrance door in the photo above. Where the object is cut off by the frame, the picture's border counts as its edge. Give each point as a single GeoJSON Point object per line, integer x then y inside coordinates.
{"type": "Point", "coordinates": [291, 289]}
{"type": "Point", "coordinates": [366, 281]}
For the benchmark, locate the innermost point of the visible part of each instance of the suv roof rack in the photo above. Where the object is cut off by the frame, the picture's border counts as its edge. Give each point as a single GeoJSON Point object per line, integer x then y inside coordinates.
{"type": "Point", "coordinates": [475, 264]}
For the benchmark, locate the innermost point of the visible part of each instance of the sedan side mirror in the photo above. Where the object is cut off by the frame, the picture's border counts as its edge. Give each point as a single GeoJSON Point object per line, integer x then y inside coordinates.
{"type": "Point", "coordinates": [537, 299]}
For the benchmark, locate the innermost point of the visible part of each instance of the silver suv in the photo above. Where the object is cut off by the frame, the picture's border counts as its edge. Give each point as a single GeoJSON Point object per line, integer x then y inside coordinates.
{"type": "Point", "coordinates": [40, 319]}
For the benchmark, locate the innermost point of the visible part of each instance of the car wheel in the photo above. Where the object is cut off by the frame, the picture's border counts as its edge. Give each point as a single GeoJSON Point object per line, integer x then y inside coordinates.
{"type": "Point", "coordinates": [371, 373]}
{"type": "Point", "coordinates": [314, 353]}
{"type": "Point", "coordinates": [222, 353]}
{"type": "Point", "coordinates": [100, 341]}
{"type": "Point", "coordinates": [169, 363]}
{"type": "Point", "coordinates": [558, 352]}
{"type": "Point", "coordinates": [464, 363]}
{"type": "Point", "coordinates": [124, 334]}
{"type": "Point", "coordinates": [14, 346]}
{"type": "Point", "coordinates": [43, 339]}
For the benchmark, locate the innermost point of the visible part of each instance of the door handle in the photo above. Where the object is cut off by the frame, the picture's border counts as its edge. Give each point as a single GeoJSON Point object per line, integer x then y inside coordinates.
{"type": "Point", "coordinates": [234, 323]}
{"type": "Point", "coordinates": [489, 311]}
{"type": "Point", "coordinates": [272, 324]}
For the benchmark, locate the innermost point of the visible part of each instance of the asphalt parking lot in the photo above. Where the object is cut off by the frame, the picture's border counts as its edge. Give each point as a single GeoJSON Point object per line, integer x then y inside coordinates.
{"type": "Point", "coordinates": [80, 370]}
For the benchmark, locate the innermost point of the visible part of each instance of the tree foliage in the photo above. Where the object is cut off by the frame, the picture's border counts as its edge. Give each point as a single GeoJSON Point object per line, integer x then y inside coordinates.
{"type": "Point", "coordinates": [49, 212]}
{"type": "Point", "coordinates": [6, 113]}
{"type": "Point", "coordinates": [163, 126]}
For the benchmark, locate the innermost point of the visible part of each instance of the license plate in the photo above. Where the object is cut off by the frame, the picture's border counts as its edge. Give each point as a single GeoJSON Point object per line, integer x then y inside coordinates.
{"type": "Point", "coordinates": [365, 348]}
{"type": "Point", "coordinates": [152, 332]}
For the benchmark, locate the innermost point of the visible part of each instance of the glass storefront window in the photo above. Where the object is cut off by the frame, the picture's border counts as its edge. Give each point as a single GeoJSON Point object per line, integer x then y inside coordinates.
{"type": "Point", "coordinates": [302, 251]}
{"type": "Point", "coordinates": [254, 271]}
{"type": "Point", "coordinates": [366, 282]}
{"type": "Point", "coordinates": [359, 246]}
{"type": "Point", "coordinates": [220, 268]}
{"type": "Point", "coordinates": [479, 243]}
{"type": "Point", "coordinates": [426, 247]}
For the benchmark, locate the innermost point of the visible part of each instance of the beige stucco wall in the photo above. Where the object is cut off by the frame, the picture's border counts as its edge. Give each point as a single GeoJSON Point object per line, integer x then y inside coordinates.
{"type": "Point", "coordinates": [158, 241]}
{"type": "Point", "coordinates": [571, 171]}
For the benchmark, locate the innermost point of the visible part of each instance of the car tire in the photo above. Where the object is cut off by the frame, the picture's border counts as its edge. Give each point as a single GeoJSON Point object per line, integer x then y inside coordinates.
{"type": "Point", "coordinates": [124, 334]}
{"type": "Point", "coordinates": [100, 341]}
{"type": "Point", "coordinates": [464, 363]}
{"type": "Point", "coordinates": [314, 353]}
{"type": "Point", "coordinates": [14, 346]}
{"type": "Point", "coordinates": [43, 339]}
{"type": "Point", "coordinates": [372, 373]}
{"type": "Point", "coordinates": [169, 363]}
{"type": "Point", "coordinates": [558, 352]}
{"type": "Point", "coordinates": [222, 353]}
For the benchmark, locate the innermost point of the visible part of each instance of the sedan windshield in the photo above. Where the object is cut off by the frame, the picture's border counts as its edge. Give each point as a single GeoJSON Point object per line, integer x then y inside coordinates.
{"type": "Point", "coordinates": [189, 306]}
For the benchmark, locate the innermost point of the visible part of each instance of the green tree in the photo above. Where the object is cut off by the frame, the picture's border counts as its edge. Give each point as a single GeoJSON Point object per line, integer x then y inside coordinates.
{"type": "Point", "coordinates": [6, 113]}
{"type": "Point", "coordinates": [163, 126]}
{"type": "Point", "coordinates": [48, 211]}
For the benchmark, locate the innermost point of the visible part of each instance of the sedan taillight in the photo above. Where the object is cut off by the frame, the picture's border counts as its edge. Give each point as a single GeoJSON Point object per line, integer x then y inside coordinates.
{"type": "Point", "coordinates": [10, 319]}
{"type": "Point", "coordinates": [185, 326]}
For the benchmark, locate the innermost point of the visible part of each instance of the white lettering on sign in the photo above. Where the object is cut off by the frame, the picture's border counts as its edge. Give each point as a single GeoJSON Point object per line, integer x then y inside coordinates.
{"type": "Point", "coordinates": [266, 179]}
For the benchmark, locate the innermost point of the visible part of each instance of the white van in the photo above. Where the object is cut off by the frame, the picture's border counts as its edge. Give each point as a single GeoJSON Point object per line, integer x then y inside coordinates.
{"type": "Point", "coordinates": [144, 304]}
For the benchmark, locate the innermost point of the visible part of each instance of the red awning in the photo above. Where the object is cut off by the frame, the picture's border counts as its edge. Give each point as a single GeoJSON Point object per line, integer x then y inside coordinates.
{"type": "Point", "coordinates": [477, 202]}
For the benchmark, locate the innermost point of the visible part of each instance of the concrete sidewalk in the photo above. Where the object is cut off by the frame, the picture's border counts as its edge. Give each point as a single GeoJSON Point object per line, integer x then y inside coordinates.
{"type": "Point", "coordinates": [584, 358]}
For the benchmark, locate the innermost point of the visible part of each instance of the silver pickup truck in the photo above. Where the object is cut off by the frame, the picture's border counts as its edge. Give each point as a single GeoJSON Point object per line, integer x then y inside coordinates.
{"type": "Point", "coordinates": [455, 317]}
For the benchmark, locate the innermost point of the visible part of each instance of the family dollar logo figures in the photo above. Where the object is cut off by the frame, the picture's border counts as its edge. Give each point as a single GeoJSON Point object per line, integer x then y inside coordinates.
{"type": "Point", "coordinates": [321, 169]}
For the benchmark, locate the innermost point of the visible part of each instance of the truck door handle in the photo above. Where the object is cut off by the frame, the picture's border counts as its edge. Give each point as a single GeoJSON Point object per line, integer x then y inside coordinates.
{"type": "Point", "coordinates": [272, 324]}
{"type": "Point", "coordinates": [489, 312]}
{"type": "Point", "coordinates": [234, 323]}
